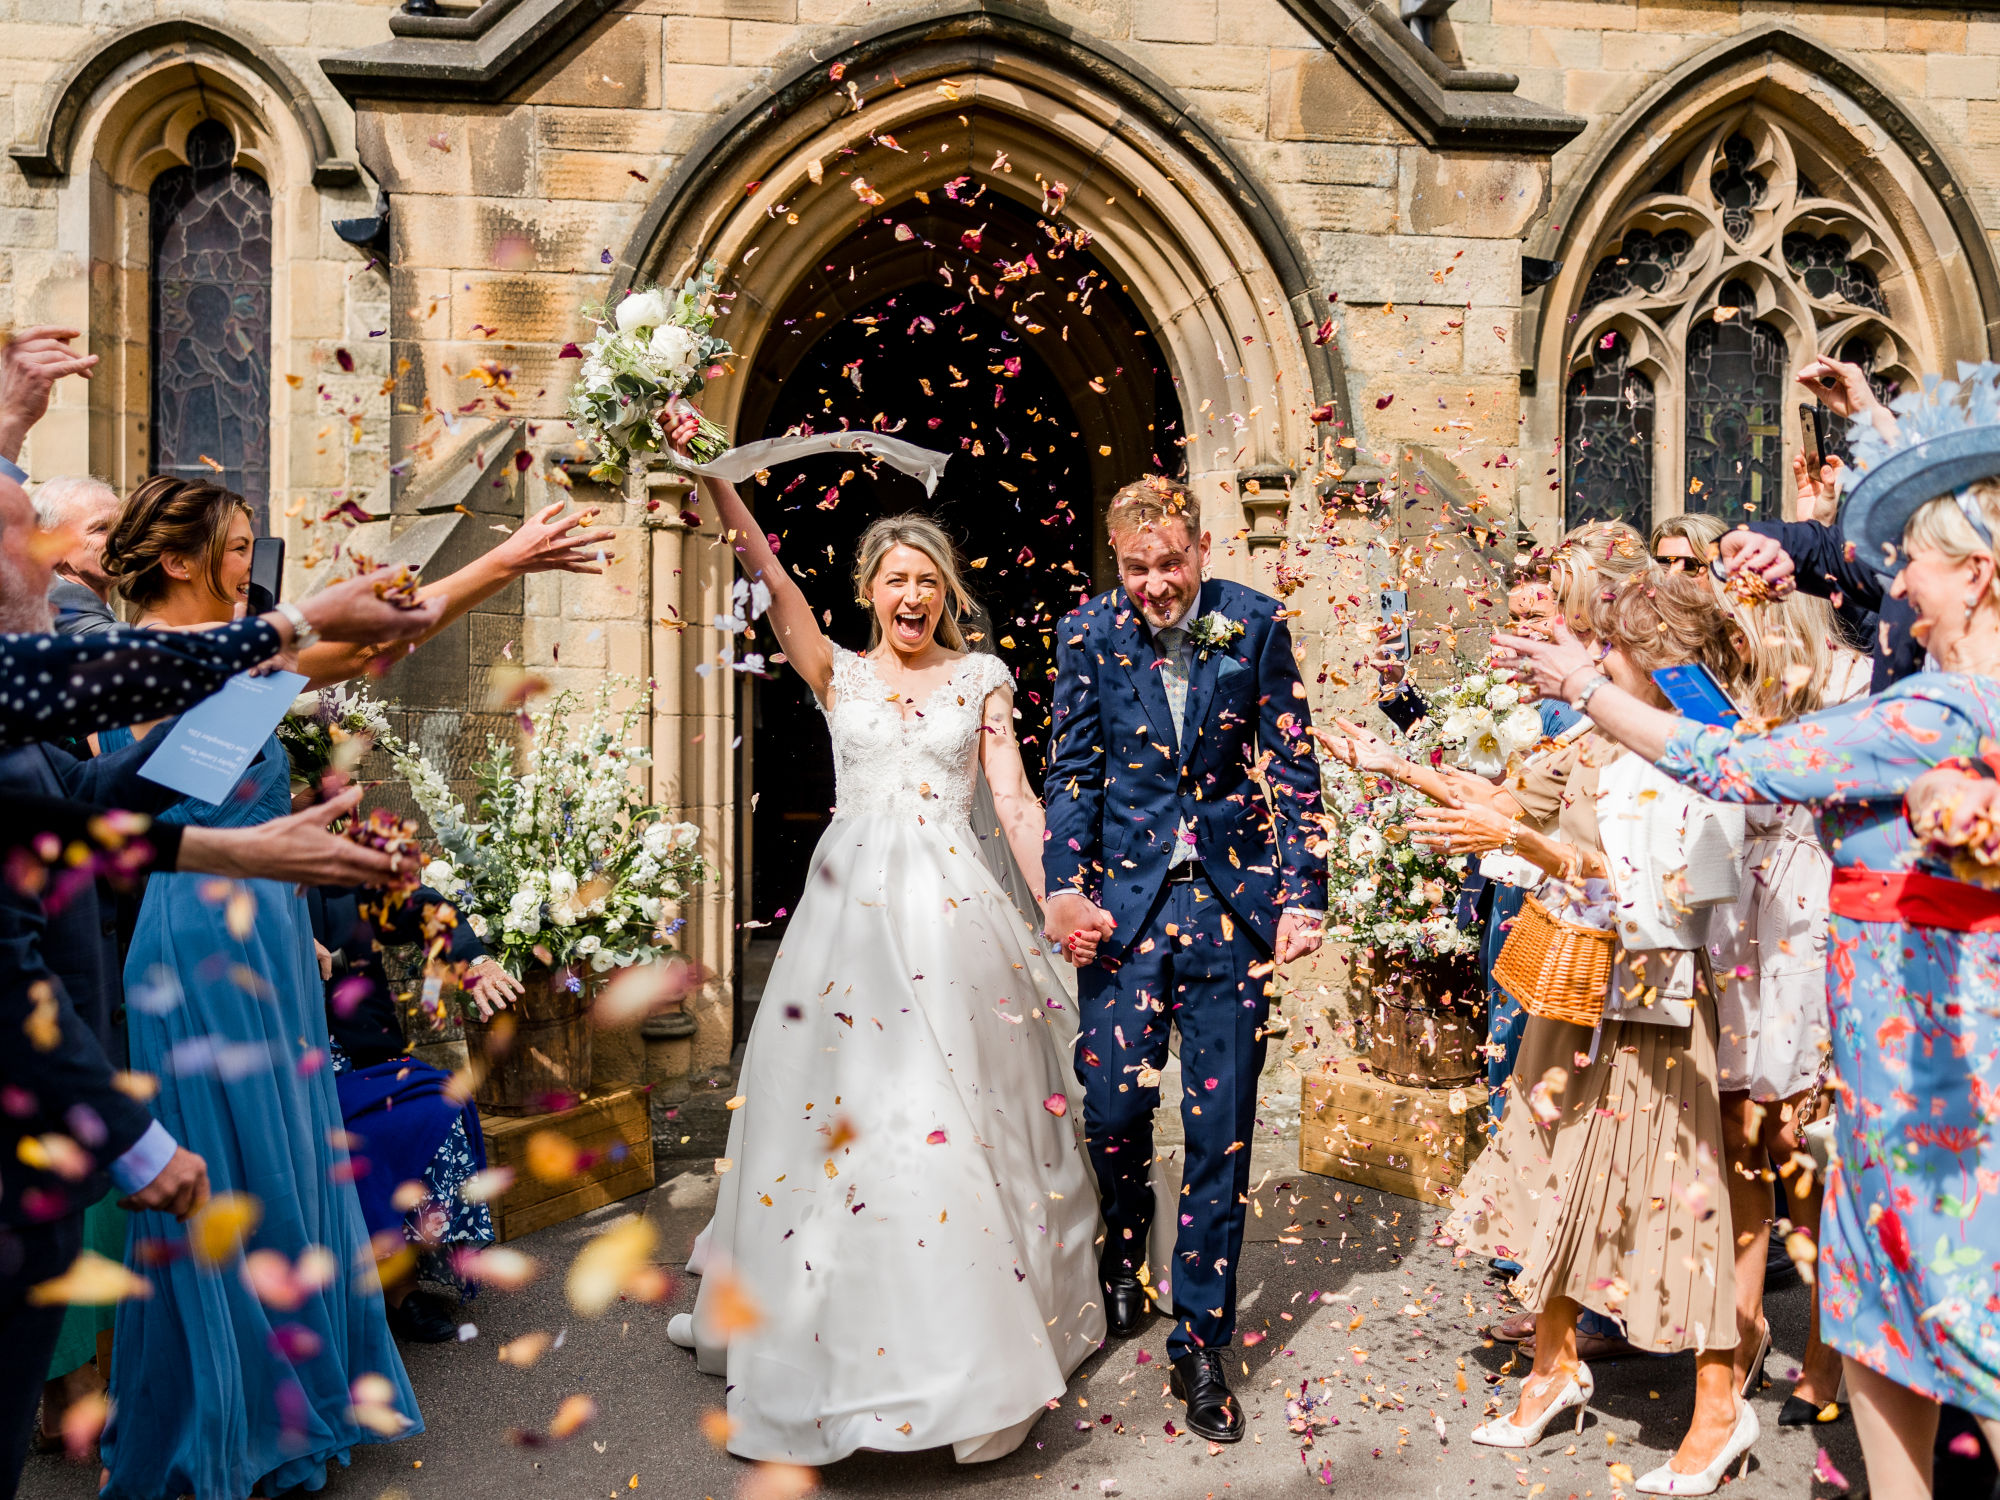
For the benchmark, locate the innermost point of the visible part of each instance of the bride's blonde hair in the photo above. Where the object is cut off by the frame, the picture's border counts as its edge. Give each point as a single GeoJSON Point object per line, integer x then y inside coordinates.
{"type": "Point", "coordinates": [925, 536]}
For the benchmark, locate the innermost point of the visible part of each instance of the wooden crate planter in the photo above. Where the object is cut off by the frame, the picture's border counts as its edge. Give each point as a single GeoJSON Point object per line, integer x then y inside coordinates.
{"type": "Point", "coordinates": [1362, 1128]}
{"type": "Point", "coordinates": [593, 1126]}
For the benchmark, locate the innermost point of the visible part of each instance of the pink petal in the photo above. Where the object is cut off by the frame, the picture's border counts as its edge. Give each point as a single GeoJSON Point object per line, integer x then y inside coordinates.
{"type": "Point", "coordinates": [1056, 1104]}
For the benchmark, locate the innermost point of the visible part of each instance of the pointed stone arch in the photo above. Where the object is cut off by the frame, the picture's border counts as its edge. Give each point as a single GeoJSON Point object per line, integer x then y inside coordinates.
{"type": "Point", "coordinates": [1839, 173]}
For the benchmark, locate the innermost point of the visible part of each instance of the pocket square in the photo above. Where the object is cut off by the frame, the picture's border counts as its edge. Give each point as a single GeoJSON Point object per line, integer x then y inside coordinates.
{"type": "Point", "coordinates": [1230, 667]}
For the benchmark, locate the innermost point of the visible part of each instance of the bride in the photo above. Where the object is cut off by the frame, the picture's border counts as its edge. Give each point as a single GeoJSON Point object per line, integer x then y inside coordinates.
{"type": "Point", "coordinates": [903, 1252]}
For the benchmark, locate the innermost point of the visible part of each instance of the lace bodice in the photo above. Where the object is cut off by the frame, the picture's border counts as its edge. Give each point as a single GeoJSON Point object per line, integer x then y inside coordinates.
{"type": "Point", "coordinates": [925, 764]}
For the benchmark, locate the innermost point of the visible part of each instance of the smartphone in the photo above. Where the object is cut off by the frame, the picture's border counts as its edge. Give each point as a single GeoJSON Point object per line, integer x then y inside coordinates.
{"type": "Point", "coordinates": [1696, 694]}
{"type": "Point", "coordinates": [267, 573]}
{"type": "Point", "coordinates": [1809, 438]}
{"type": "Point", "coordinates": [1396, 611]}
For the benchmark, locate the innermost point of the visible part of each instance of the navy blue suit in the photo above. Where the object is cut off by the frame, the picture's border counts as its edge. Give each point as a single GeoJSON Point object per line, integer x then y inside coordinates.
{"type": "Point", "coordinates": [1821, 565]}
{"type": "Point", "coordinates": [1118, 787]}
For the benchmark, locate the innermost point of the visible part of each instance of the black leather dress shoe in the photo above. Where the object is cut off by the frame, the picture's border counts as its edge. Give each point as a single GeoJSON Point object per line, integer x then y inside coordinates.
{"type": "Point", "coordinates": [1125, 1306]}
{"type": "Point", "coordinates": [1212, 1411]}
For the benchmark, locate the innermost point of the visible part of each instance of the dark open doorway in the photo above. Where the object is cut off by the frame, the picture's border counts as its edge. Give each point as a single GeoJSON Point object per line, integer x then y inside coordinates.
{"type": "Point", "coordinates": [969, 327]}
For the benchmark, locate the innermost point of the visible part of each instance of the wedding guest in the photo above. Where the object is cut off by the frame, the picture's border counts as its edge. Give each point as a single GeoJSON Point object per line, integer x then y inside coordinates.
{"type": "Point", "coordinates": [1912, 954]}
{"type": "Point", "coordinates": [402, 1119]}
{"type": "Point", "coordinates": [81, 509]}
{"type": "Point", "coordinates": [1691, 539]}
{"type": "Point", "coordinates": [1605, 1182]}
{"type": "Point", "coordinates": [1770, 950]}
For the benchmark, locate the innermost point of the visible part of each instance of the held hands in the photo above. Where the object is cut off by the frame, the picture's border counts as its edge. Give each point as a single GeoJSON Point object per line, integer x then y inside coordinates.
{"type": "Point", "coordinates": [1078, 924]}
{"type": "Point", "coordinates": [180, 1189]}
{"type": "Point", "coordinates": [1298, 935]}
{"type": "Point", "coordinates": [1561, 660]}
{"type": "Point", "coordinates": [490, 987]}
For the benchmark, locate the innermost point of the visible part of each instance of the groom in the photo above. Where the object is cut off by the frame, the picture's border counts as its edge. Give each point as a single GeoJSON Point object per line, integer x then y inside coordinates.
{"type": "Point", "coordinates": [1180, 779]}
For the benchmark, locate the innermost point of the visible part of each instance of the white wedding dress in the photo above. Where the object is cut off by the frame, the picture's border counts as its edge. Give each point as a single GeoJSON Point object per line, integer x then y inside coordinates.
{"type": "Point", "coordinates": [903, 1252]}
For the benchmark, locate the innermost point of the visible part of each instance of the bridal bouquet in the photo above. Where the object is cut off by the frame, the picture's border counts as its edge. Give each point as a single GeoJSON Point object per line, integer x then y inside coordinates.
{"type": "Point", "coordinates": [651, 354]}
{"type": "Point", "coordinates": [561, 858]}
{"type": "Point", "coordinates": [331, 729]}
{"type": "Point", "coordinates": [1482, 722]}
{"type": "Point", "coordinates": [1384, 891]}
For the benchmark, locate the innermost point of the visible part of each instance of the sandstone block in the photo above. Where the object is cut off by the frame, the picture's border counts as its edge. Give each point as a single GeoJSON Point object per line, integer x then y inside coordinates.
{"type": "Point", "coordinates": [599, 175]}
{"type": "Point", "coordinates": [1562, 47]}
{"type": "Point", "coordinates": [619, 68]}
{"type": "Point", "coordinates": [758, 44]}
{"type": "Point", "coordinates": [1582, 15]}
{"type": "Point", "coordinates": [1325, 162]}
{"type": "Point", "coordinates": [1315, 98]}
{"type": "Point", "coordinates": [1239, 115]}
{"type": "Point", "coordinates": [1208, 66]}
{"type": "Point", "coordinates": [435, 231]}
{"type": "Point", "coordinates": [636, 132]}
{"type": "Point", "coordinates": [1858, 27]}
{"type": "Point", "coordinates": [1175, 21]}
{"type": "Point", "coordinates": [1338, 207]}
{"type": "Point", "coordinates": [1413, 268]}
{"type": "Point", "coordinates": [1924, 31]}
{"type": "Point", "coordinates": [698, 39]}
{"type": "Point", "coordinates": [1472, 192]}
{"type": "Point", "coordinates": [282, 23]}
{"type": "Point", "coordinates": [1982, 122]}
{"type": "Point", "coordinates": [1690, 17]}
{"type": "Point", "coordinates": [1958, 77]}
{"type": "Point", "coordinates": [340, 28]}
{"type": "Point", "coordinates": [463, 150]}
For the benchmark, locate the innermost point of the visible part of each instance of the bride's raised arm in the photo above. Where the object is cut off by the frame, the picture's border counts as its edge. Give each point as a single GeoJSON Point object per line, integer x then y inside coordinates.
{"type": "Point", "coordinates": [806, 646]}
{"type": "Point", "coordinates": [1014, 800]}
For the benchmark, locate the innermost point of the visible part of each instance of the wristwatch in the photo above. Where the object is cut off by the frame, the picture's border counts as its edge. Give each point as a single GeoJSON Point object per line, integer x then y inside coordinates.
{"type": "Point", "coordinates": [1513, 834]}
{"type": "Point", "coordinates": [1582, 699]}
{"type": "Point", "coordinates": [303, 633]}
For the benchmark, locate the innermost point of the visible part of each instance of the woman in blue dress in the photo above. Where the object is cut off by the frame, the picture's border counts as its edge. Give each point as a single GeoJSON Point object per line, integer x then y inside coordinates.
{"type": "Point", "coordinates": [220, 1391]}
{"type": "Point", "coordinates": [1909, 1259]}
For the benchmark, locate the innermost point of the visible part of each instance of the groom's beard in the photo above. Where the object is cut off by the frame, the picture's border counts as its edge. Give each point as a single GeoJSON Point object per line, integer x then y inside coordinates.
{"type": "Point", "coordinates": [1170, 612]}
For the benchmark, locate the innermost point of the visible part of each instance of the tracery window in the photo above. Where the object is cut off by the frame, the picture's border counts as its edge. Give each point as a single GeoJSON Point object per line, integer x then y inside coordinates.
{"type": "Point", "coordinates": [211, 320]}
{"type": "Point", "coordinates": [1724, 273]}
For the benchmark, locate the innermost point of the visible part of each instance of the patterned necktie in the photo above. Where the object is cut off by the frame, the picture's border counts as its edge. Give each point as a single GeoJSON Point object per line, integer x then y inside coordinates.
{"type": "Point", "coordinates": [1173, 646]}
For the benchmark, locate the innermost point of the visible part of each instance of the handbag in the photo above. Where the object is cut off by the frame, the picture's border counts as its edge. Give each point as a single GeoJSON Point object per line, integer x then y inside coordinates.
{"type": "Point", "coordinates": [1556, 969]}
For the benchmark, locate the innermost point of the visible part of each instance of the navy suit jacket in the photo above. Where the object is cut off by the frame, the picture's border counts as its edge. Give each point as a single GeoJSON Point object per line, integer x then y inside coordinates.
{"type": "Point", "coordinates": [64, 966]}
{"type": "Point", "coordinates": [1117, 788]}
{"type": "Point", "coordinates": [1821, 565]}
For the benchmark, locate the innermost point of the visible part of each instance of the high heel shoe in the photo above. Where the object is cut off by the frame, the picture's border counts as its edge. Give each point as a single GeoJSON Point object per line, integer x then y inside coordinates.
{"type": "Point", "coordinates": [1502, 1432]}
{"type": "Point", "coordinates": [1755, 1375]}
{"type": "Point", "coordinates": [1665, 1481]}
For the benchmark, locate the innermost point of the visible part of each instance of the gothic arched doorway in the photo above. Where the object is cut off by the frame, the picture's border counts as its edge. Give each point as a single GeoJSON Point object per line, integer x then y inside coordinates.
{"type": "Point", "coordinates": [923, 340]}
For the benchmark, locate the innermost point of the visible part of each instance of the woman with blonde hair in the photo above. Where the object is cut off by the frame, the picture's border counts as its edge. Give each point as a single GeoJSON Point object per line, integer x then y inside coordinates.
{"type": "Point", "coordinates": [903, 1252]}
{"type": "Point", "coordinates": [1607, 1187]}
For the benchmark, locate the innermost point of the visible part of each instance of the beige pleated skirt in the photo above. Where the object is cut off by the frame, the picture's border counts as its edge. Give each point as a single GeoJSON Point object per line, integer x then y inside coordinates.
{"type": "Point", "coordinates": [1618, 1201]}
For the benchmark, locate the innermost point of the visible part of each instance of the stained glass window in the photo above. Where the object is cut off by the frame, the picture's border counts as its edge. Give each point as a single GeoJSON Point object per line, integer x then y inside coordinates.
{"type": "Point", "coordinates": [1608, 439]}
{"type": "Point", "coordinates": [1737, 372]}
{"type": "Point", "coordinates": [211, 294]}
{"type": "Point", "coordinates": [1821, 264]}
{"type": "Point", "coordinates": [1736, 187]}
{"type": "Point", "coordinates": [1642, 264]}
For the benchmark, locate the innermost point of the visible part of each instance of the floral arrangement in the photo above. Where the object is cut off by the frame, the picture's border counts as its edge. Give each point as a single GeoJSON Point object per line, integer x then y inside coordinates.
{"type": "Point", "coordinates": [561, 858]}
{"type": "Point", "coordinates": [1482, 722]}
{"type": "Point", "coordinates": [1384, 891]}
{"type": "Point", "coordinates": [330, 730]}
{"type": "Point", "coordinates": [652, 352]}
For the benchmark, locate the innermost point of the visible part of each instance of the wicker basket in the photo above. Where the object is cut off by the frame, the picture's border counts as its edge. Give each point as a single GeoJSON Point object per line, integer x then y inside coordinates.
{"type": "Point", "coordinates": [1556, 969]}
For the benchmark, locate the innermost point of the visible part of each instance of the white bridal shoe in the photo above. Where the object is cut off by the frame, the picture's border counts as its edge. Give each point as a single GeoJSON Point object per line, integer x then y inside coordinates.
{"type": "Point", "coordinates": [1502, 1433]}
{"type": "Point", "coordinates": [680, 1330]}
{"type": "Point", "coordinates": [1664, 1481]}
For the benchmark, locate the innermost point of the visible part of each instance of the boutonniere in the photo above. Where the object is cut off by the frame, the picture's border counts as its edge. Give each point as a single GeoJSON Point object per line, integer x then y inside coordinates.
{"type": "Point", "coordinates": [1214, 631]}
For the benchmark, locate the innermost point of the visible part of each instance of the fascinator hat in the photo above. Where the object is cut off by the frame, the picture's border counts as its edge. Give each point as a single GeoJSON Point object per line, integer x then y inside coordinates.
{"type": "Point", "coordinates": [1948, 437]}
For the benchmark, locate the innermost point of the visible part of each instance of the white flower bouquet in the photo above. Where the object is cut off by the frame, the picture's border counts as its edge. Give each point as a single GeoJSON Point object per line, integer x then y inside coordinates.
{"type": "Point", "coordinates": [652, 352]}
{"type": "Point", "coordinates": [562, 860]}
{"type": "Point", "coordinates": [331, 729]}
{"type": "Point", "coordinates": [1385, 892]}
{"type": "Point", "coordinates": [1482, 722]}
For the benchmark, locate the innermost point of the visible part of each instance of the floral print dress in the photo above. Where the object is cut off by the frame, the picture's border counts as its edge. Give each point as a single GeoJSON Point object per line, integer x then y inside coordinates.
{"type": "Point", "coordinates": [1910, 1236]}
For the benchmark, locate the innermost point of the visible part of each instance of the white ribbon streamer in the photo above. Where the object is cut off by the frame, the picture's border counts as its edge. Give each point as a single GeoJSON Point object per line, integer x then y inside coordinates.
{"type": "Point", "coordinates": [738, 464]}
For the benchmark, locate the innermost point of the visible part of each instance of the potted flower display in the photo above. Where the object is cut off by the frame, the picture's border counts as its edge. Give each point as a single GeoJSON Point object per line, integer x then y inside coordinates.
{"type": "Point", "coordinates": [566, 873]}
{"type": "Point", "coordinates": [1393, 900]}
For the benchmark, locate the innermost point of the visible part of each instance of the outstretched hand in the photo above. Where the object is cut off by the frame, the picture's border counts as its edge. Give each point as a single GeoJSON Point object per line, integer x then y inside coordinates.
{"type": "Point", "coordinates": [1358, 746]}
{"type": "Point", "coordinates": [1551, 663]}
{"type": "Point", "coordinates": [549, 542]}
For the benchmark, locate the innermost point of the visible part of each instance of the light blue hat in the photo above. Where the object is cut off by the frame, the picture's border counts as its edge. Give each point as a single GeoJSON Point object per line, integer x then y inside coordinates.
{"type": "Point", "coordinates": [1948, 437]}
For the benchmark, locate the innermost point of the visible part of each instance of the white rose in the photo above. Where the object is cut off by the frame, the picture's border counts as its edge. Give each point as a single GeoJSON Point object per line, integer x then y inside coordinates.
{"type": "Point", "coordinates": [587, 946]}
{"type": "Point", "coordinates": [1364, 843]}
{"type": "Point", "coordinates": [439, 874]}
{"type": "Point", "coordinates": [304, 706]}
{"type": "Point", "coordinates": [1502, 698]}
{"type": "Point", "coordinates": [599, 962]}
{"type": "Point", "coordinates": [562, 885]}
{"type": "Point", "coordinates": [642, 310]}
{"type": "Point", "coordinates": [1458, 725]}
{"type": "Point", "coordinates": [478, 924]}
{"type": "Point", "coordinates": [674, 348]}
{"type": "Point", "coordinates": [1475, 685]}
{"type": "Point", "coordinates": [524, 901]}
{"type": "Point", "coordinates": [1520, 729]}
{"type": "Point", "coordinates": [685, 835]}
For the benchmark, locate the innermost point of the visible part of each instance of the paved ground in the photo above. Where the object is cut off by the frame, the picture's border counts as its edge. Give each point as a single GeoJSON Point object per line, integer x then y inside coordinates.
{"type": "Point", "coordinates": [1363, 1313]}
